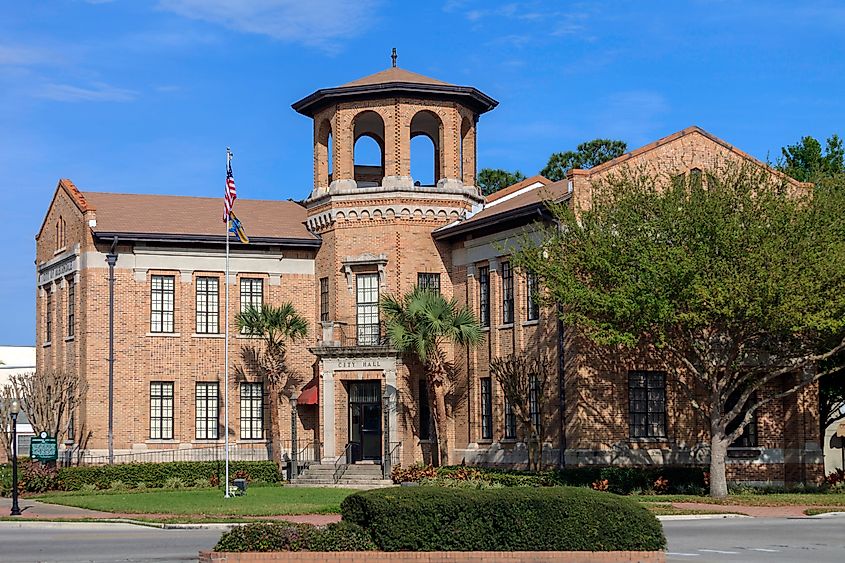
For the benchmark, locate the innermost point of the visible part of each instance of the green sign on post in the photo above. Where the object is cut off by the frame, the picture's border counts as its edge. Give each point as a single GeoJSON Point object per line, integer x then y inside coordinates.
{"type": "Point", "coordinates": [43, 448]}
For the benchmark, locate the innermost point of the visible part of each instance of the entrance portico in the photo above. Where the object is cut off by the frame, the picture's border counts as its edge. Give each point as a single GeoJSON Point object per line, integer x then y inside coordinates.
{"type": "Point", "coordinates": [358, 396]}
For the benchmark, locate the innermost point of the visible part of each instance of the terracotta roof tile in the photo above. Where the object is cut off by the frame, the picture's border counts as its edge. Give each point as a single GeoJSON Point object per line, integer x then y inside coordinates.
{"type": "Point", "coordinates": [394, 74]}
{"type": "Point", "coordinates": [201, 216]}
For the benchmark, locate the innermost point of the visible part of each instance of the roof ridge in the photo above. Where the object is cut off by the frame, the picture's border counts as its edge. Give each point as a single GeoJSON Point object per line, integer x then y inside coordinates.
{"type": "Point", "coordinates": [135, 194]}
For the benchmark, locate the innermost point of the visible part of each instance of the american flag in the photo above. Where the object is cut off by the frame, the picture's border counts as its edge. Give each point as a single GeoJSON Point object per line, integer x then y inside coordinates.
{"type": "Point", "coordinates": [231, 192]}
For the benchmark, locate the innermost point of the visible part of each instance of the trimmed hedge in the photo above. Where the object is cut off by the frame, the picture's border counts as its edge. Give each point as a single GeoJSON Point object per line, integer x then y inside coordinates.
{"type": "Point", "coordinates": [505, 519]}
{"type": "Point", "coordinates": [287, 536]}
{"type": "Point", "coordinates": [157, 474]}
{"type": "Point", "coordinates": [620, 480]}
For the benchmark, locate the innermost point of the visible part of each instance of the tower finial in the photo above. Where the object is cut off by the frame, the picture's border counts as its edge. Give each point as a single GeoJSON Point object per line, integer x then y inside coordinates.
{"type": "Point", "coordinates": [394, 56]}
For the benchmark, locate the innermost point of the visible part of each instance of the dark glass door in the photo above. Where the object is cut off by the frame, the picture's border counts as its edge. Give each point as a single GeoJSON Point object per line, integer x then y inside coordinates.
{"type": "Point", "coordinates": [365, 420]}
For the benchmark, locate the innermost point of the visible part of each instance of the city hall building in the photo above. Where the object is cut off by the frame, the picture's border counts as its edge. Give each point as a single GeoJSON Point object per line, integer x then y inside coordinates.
{"type": "Point", "coordinates": [365, 231]}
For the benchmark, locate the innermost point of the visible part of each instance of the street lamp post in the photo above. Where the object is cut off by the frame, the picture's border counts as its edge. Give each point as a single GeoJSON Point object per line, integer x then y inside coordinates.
{"type": "Point", "coordinates": [14, 410]}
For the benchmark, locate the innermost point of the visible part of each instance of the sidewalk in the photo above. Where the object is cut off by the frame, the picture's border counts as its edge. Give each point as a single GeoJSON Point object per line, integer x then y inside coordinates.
{"type": "Point", "coordinates": [33, 509]}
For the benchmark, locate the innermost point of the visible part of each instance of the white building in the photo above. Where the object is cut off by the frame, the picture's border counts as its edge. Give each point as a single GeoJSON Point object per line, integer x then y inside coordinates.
{"type": "Point", "coordinates": [15, 360]}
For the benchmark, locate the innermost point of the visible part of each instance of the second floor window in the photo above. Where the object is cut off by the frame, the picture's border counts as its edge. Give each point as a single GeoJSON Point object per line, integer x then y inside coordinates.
{"type": "Point", "coordinates": [252, 411]}
{"type": "Point", "coordinates": [486, 408]}
{"type": "Point", "coordinates": [647, 404]}
{"type": "Point", "coordinates": [507, 293]}
{"type": "Point", "coordinates": [161, 410]}
{"type": "Point", "coordinates": [208, 305]}
{"type": "Point", "coordinates": [366, 286]}
{"type": "Point", "coordinates": [324, 299]}
{"type": "Point", "coordinates": [532, 294]}
{"type": "Point", "coordinates": [207, 405]}
{"type": "Point", "coordinates": [161, 304]}
{"type": "Point", "coordinates": [71, 306]}
{"type": "Point", "coordinates": [252, 294]}
{"type": "Point", "coordinates": [48, 317]}
{"type": "Point", "coordinates": [428, 281]}
{"type": "Point", "coordinates": [484, 295]}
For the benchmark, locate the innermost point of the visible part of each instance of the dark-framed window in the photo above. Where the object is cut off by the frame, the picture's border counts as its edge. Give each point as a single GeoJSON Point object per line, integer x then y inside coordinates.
{"type": "Point", "coordinates": [161, 303]}
{"type": "Point", "coordinates": [252, 411]}
{"type": "Point", "coordinates": [252, 295]}
{"type": "Point", "coordinates": [71, 306]}
{"type": "Point", "coordinates": [647, 404]}
{"type": "Point", "coordinates": [425, 411]}
{"type": "Point", "coordinates": [507, 293]}
{"type": "Point", "coordinates": [429, 281]}
{"type": "Point", "coordinates": [48, 316]}
{"type": "Point", "coordinates": [208, 410]}
{"type": "Point", "coordinates": [324, 299]}
{"type": "Point", "coordinates": [534, 401]}
{"type": "Point", "coordinates": [532, 294]}
{"type": "Point", "coordinates": [486, 408]}
{"type": "Point", "coordinates": [748, 438]}
{"type": "Point", "coordinates": [367, 315]}
{"type": "Point", "coordinates": [484, 295]}
{"type": "Point", "coordinates": [208, 305]}
{"type": "Point", "coordinates": [510, 421]}
{"type": "Point", "coordinates": [161, 410]}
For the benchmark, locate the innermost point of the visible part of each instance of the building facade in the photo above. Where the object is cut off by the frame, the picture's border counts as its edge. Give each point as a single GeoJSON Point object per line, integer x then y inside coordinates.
{"type": "Point", "coordinates": [364, 231]}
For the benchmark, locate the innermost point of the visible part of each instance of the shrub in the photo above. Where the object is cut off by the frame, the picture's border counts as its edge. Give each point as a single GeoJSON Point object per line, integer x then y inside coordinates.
{"type": "Point", "coordinates": [412, 474]}
{"type": "Point", "coordinates": [118, 485]}
{"type": "Point", "coordinates": [266, 536]}
{"type": "Point", "coordinates": [837, 477]}
{"type": "Point", "coordinates": [37, 478]}
{"type": "Point", "coordinates": [5, 481]}
{"type": "Point", "coordinates": [341, 536]}
{"type": "Point", "coordinates": [514, 519]}
{"type": "Point", "coordinates": [202, 483]}
{"type": "Point", "coordinates": [458, 484]}
{"type": "Point", "coordinates": [155, 474]}
{"type": "Point", "coordinates": [89, 488]}
{"type": "Point", "coordinates": [174, 483]}
{"type": "Point", "coordinates": [141, 485]}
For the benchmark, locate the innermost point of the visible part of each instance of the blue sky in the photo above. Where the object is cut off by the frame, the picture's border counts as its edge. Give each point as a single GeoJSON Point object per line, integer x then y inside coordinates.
{"type": "Point", "coordinates": [144, 96]}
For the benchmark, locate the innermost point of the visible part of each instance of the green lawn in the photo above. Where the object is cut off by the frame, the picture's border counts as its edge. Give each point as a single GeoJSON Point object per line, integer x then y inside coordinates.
{"type": "Point", "coordinates": [259, 501]}
{"type": "Point", "coordinates": [770, 499]}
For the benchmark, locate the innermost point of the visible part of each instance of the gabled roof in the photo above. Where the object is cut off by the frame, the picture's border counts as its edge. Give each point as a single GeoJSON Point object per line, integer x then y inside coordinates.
{"type": "Point", "coordinates": [395, 74]}
{"type": "Point", "coordinates": [512, 189]}
{"type": "Point", "coordinates": [395, 82]}
{"type": "Point", "coordinates": [167, 217]}
{"type": "Point", "coordinates": [68, 187]}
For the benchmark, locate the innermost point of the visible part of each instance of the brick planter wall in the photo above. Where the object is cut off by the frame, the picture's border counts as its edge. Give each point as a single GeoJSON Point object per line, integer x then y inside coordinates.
{"type": "Point", "coordinates": [437, 556]}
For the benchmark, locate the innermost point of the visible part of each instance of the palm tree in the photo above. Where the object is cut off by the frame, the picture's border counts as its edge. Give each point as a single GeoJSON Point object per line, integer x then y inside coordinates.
{"type": "Point", "coordinates": [274, 326]}
{"type": "Point", "coordinates": [422, 323]}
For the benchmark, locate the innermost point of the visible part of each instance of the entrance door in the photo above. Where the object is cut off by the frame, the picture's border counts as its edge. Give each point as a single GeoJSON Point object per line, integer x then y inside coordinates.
{"type": "Point", "coordinates": [365, 420]}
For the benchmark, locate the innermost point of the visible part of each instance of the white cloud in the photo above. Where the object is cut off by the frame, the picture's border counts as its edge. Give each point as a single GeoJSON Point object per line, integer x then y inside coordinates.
{"type": "Point", "coordinates": [15, 55]}
{"type": "Point", "coordinates": [317, 22]}
{"type": "Point", "coordinates": [98, 92]}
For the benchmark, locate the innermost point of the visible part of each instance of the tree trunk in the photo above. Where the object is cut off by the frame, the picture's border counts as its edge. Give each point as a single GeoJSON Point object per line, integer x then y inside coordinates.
{"type": "Point", "coordinates": [441, 427]}
{"type": "Point", "coordinates": [718, 454]}
{"type": "Point", "coordinates": [275, 428]}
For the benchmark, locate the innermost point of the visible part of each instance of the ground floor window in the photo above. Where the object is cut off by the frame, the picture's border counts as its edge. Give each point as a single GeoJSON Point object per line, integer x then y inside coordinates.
{"type": "Point", "coordinates": [510, 421]}
{"type": "Point", "coordinates": [647, 404]}
{"type": "Point", "coordinates": [207, 405]}
{"type": "Point", "coordinates": [161, 410]}
{"type": "Point", "coordinates": [748, 438]}
{"type": "Point", "coordinates": [486, 408]}
{"type": "Point", "coordinates": [425, 411]}
{"type": "Point", "coordinates": [252, 411]}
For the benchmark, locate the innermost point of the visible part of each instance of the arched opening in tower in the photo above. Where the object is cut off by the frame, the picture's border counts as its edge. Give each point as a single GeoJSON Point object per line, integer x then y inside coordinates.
{"type": "Point", "coordinates": [368, 149]}
{"type": "Point", "coordinates": [426, 140]}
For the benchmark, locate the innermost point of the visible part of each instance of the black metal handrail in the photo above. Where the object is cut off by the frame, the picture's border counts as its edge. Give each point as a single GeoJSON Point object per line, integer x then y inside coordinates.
{"type": "Point", "coordinates": [373, 334]}
{"type": "Point", "coordinates": [393, 454]}
{"type": "Point", "coordinates": [340, 468]}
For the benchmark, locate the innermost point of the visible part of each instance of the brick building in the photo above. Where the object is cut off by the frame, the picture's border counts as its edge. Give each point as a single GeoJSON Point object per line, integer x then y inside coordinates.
{"type": "Point", "coordinates": [366, 230]}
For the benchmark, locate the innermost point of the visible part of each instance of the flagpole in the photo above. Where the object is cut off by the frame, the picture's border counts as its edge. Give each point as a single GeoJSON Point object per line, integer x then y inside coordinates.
{"type": "Point", "coordinates": [226, 351]}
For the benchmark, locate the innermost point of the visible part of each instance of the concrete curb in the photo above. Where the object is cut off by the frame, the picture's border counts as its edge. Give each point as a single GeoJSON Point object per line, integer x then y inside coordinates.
{"type": "Point", "coordinates": [827, 515]}
{"type": "Point", "coordinates": [714, 516]}
{"type": "Point", "coordinates": [223, 526]}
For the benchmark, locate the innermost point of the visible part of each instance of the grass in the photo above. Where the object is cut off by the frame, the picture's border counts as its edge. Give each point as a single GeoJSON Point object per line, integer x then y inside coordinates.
{"type": "Point", "coordinates": [259, 501]}
{"type": "Point", "coordinates": [756, 499]}
{"type": "Point", "coordinates": [660, 509]}
{"type": "Point", "coordinates": [816, 511]}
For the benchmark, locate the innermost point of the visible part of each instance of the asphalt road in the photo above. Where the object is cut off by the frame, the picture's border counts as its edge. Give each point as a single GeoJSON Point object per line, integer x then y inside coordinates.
{"type": "Point", "coordinates": [733, 540]}
{"type": "Point", "coordinates": [741, 540]}
{"type": "Point", "coordinates": [77, 541]}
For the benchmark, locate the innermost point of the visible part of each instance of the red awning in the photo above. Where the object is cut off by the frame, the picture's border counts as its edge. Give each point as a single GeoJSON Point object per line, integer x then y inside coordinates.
{"type": "Point", "coordinates": [310, 394]}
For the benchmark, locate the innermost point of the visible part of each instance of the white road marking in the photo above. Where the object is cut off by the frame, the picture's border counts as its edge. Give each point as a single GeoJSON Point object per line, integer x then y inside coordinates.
{"type": "Point", "coordinates": [763, 549]}
{"type": "Point", "coordinates": [719, 551]}
{"type": "Point", "coordinates": [683, 554]}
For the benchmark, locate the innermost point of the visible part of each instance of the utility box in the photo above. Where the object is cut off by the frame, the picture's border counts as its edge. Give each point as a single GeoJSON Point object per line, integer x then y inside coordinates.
{"type": "Point", "coordinates": [240, 486]}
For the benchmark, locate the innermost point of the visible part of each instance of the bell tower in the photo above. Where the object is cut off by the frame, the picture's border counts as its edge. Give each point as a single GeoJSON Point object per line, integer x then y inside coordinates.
{"type": "Point", "coordinates": [375, 221]}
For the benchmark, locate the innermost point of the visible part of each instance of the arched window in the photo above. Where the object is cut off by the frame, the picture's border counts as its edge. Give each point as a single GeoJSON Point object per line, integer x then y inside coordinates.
{"type": "Point", "coordinates": [426, 125]}
{"type": "Point", "coordinates": [368, 150]}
